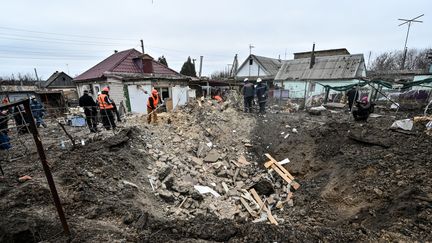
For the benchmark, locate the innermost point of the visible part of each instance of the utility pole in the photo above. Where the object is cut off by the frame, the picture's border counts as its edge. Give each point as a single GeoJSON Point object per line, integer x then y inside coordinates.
{"type": "Point", "coordinates": [200, 67]}
{"type": "Point", "coordinates": [37, 78]}
{"type": "Point", "coordinates": [67, 66]}
{"type": "Point", "coordinates": [142, 46]}
{"type": "Point", "coordinates": [409, 22]}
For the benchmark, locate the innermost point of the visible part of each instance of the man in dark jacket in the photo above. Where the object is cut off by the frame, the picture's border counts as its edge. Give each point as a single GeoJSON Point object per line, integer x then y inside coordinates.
{"type": "Point", "coordinates": [248, 91]}
{"type": "Point", "coordinates": [352, 96]}
{"type": "Point", "coordinates": [38, 111]}
{"type": "Point", "coordinates": [90, 111]}
{"type": "Point", "coordinates": [261, 93]}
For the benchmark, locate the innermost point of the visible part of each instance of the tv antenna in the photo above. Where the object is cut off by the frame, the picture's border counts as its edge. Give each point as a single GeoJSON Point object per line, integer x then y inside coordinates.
{"type": "Point", "coordinates": [409, 22]}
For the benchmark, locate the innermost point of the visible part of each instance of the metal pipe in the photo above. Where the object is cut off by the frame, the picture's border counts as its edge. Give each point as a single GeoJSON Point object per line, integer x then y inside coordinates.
{"type": "Point", "coordinates": [45, 166]}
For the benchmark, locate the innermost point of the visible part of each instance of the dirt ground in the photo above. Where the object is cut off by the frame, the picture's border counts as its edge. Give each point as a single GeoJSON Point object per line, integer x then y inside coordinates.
{"type": "Point", "coordinates": [359, 181]}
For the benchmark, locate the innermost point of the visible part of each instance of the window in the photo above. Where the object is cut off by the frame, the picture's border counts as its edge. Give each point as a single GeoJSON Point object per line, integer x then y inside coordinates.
{"type": "Point", "coordinates": [163, 93]}
{"type": "Point", "coordinates": [250, 61]}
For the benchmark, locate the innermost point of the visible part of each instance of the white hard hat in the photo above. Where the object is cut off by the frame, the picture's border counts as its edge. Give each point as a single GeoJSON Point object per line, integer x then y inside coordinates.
{"type": "Point", "coordinates": [259, 80]}
{"type": "Point", "coordinates": [32, 97]}
{"type": "Point", "coordinates": [245, 80]}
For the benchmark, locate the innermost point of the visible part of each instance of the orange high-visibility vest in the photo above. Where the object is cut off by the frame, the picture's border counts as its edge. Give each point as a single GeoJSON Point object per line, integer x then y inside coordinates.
{"type": "Point", "coordinates": [155, 101]}
{"type": "Point", "coordinates": [102, 104]}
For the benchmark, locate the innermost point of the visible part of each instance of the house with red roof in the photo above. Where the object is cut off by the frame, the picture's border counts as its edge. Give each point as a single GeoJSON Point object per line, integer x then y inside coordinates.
{"type": "Point", "coordinates": [131, 76]}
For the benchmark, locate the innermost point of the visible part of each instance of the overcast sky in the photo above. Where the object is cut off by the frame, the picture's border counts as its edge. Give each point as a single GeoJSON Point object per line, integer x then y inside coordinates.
{"type": "Point", "coordinates": [73, 36]}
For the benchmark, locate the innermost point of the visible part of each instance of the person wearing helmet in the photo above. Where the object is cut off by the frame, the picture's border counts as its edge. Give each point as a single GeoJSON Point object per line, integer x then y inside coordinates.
{"type": "Point", "coordinates": [106, 109]}
{"type": "Point", "coordinates": [38, 111]}
{"type": "Point", "coordinates": [261, 93]}
{"type": "Point", "coordinates": [152, 103]}
{"type": "Point", "coordinates": [248, 91]}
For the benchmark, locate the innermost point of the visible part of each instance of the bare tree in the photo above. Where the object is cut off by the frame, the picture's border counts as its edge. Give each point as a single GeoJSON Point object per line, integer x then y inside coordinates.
{"type": "Point", "coordinates": [415, 59]}
{"type": "Point", "coordinates": [222, 74]}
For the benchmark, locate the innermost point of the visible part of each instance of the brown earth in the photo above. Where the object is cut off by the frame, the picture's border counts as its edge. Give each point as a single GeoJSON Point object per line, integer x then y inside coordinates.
{"type": "Point", "coordinates": [374, 190]}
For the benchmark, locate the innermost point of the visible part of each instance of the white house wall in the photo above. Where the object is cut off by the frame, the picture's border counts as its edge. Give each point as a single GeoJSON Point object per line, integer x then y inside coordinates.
{"type": "Point", "coordinates": [137, 97]}
{"type": "Point", "coordinates": [255, 70]}
{"type": "Point", "coordinates": [179, 95]}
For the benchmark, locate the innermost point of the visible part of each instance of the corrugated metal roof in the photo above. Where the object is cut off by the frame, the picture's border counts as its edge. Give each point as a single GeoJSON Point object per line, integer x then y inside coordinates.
{"type": "Point", "coordinates": [325, 68]}
{"type": "Point", "coordinates": [271, 65]}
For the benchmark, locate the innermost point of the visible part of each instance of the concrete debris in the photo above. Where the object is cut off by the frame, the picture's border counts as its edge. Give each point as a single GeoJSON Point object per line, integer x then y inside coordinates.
{"type": "Point", "coordinates": [206, 189]}
{"type": "Point", "coordinates": [405, 124]}
{"type": "Point", "coordinates": [212, 156]}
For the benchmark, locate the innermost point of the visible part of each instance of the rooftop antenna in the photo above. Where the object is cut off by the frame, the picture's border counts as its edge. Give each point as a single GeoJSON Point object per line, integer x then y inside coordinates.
{"type": "Point", "coordinates": [250, 49]}
{"type": "Point", "coordinates": [409, 22]}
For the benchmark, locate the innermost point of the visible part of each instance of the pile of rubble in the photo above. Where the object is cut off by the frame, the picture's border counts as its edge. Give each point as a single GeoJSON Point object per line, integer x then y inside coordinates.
{"type": "Point", "coordinates": [202, 165]}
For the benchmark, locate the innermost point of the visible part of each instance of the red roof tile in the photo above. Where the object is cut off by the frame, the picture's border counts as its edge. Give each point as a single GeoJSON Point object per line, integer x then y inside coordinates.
{"type": "Point", "coordinates": [122, 62]}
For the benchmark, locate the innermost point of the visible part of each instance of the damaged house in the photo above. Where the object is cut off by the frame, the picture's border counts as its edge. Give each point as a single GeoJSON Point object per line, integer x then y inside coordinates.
{"type": "Point", "coordinates": [131, 76]}
{"type": "Point", "coordinates": [255, 67]}
{"type": "Point", "coordinates": [305, 75]}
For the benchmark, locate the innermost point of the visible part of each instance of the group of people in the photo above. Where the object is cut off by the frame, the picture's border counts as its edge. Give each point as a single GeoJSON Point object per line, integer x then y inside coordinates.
{"type": "Point", "coordinates": [107, 109]}
{"type": "Point", "coordinates": [21, 119]}
{"type": "Point", "coordinates": [250, 91]}
{"type": "Point", "coordinates": [106, 106]}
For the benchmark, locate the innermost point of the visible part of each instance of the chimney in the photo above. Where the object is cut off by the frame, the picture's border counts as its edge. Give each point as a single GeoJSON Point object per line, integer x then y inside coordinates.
{"type": "Point", "coordinates": [115, 51]}
{"type": "Point", "coordinates": [312, 61]}
{"type": "Point", "coordinates": [147, 62]}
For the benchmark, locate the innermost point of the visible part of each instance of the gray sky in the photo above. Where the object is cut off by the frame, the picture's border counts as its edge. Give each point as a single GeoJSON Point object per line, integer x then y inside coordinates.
{"type": "Point", "coordinates": [75, 35]}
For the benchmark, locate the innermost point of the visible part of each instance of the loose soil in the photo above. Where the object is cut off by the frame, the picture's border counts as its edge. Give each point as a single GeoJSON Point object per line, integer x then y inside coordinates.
{"type": "Point", "coordinates": [374, 190]}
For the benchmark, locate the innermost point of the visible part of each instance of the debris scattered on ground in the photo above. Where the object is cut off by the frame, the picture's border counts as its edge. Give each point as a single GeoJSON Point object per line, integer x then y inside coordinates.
{"type": "Point", "coordinates": [359, 181]}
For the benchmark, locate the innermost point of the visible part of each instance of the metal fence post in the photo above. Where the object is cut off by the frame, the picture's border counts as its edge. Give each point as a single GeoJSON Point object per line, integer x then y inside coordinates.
{"type": "Point", "coordinates": [46, 168]}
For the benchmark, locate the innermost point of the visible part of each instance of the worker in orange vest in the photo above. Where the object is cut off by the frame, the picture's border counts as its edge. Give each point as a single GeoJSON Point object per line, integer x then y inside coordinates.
{"type": "Point", "coordinates": [106, 109]}
{"type": "Point", "coordinates": [152, 103]}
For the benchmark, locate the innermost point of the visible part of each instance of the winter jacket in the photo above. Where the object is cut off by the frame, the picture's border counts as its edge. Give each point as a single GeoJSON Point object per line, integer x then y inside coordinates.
{"type": "Point", "coordinates": [248, 90]}
{"type": "Point", "coordinates": [261, 91]}
{"type": "Point", "coordinates": [37, 108]}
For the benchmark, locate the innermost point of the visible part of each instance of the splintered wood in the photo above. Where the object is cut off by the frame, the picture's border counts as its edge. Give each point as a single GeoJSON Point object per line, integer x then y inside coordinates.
{"type": "Point", "coordinates": [263, 206]}
{"type": "Point", "coordinates": [276, 166]}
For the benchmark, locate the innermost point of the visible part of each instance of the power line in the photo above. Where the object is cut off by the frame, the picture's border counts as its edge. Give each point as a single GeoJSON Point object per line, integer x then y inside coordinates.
{"type": "Point", "coordinates": [61, 34]}
{"type": "Point", "coordinates": [47, 40]}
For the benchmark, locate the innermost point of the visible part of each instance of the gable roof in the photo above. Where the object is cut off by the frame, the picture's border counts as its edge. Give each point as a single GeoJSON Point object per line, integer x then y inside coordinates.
{"type": "Point", "coordinates": [325, 68]}
{"type": "Point", "coordinates": [54, 77]}
{"type": "Point", "coordinates": [122, 64]}
{"type": "Point", "coordinates": [269, 65]}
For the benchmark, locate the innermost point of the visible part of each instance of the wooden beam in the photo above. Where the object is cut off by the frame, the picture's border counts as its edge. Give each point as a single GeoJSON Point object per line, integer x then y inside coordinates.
{"type": "Point", "coordinates": [284, 173]}
{"type": "Point", "coordinates": [262, 205]}
{"type": "Point", "coordinates": [248, 208]}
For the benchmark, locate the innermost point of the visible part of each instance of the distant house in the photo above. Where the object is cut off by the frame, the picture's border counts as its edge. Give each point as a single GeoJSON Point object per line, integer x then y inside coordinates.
{"type": "Point", "coordinates": [131, 76]}
{"type": "Point", "coordinates": [302, 79]}
{"type": "Point", "coordinates": [53, 100]}
{"type": "Point", "coordinates": [258, 67]}
{"type": "Point", "coordinates": [60, 81]}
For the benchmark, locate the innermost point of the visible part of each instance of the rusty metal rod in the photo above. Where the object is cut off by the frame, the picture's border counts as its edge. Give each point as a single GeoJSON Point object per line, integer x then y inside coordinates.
{"type": "Point", "coordinates": [46, 168]}
{"type": "Point", "coordinates": [67, 134]}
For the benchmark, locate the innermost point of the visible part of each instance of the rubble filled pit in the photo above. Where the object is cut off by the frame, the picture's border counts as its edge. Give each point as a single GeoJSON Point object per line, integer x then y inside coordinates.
{"type": "Point", "coordinates": [358, 181]}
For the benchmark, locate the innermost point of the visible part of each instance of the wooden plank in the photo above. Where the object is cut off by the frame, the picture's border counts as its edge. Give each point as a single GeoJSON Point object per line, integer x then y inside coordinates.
{"type": "Point", "coordinates": [268, 164]}
{"type": "Point", "coordinates": [262, 205]}
{"type": "Point", "coordinates": [285, 177]}
{"type": "Point", "coordinates": [248, 208]}
{"type": "Point", "coordinates": [285, 171]}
